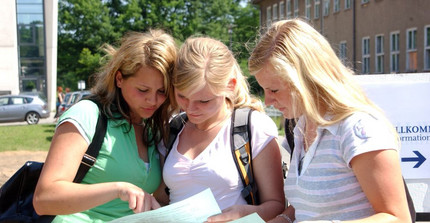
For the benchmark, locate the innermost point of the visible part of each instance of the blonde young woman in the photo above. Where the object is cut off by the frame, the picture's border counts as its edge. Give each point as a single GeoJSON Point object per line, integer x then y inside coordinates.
{"type": "Point", "coordinates": [208, 86]}
{"type": "Point", "coordinates": [133, 89]}
{"type": "Point", "coordinates": [345, 166]}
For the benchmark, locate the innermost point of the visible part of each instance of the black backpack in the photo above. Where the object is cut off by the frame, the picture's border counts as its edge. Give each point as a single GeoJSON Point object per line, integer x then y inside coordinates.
{"type": "Point", "coordinates": [16, 195]}
{"type": "Point", "coordinates": [289, 134]}
{"type": "Point", "coordinates": [240, 148]}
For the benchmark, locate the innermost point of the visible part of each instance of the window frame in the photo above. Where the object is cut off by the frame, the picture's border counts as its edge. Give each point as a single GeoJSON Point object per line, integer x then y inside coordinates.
{"type": "Point", "coordinates": [379, 53]}
{"type": "Point", "coordinates": [281, 10]}
{"type": "Point", "coordinates": [317, 9]}
{"type": "Point", "coordinates": [426, 57]}
{"type": "Point", "coordinates": [409, 50]}
{"type": "Point", "coordinates": [336, 6]}
{"type": "Point", "coordinates": [308, 6]}
{"type": "Point", "coordinates": [296, 8]}
{"type": "Point", "coordinates": [268, 16]}
{"type": "Point", "coordinates": [343, 51]}
{"type": "Point", "coordinates": [347, 4]}
{"type": "Point", "coordinates": [365, 54]}
{"type": "Point", "coordinates": [289, 12]}
{"type": "Point", "coordinates": [395, 52]}
{"type": "Point", "coordinates": [326, 7]}
{"type": "Point", "coordinates": [275, 12]}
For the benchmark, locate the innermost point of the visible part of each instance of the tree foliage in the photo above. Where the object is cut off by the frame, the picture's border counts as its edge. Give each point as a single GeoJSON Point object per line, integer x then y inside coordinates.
{"type": "Point", "coordinates": [85, 25]}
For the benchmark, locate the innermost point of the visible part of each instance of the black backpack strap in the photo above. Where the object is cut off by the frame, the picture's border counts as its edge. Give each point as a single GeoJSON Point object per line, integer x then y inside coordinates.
{"type": "Point", "coordinates": [289, 134]}
{"type": "Point", "coordinates": [176, 125]}
{"type": "Point", "coordinates": [93, 150]}
{"type": "Point", "coordinates": [242, 152]}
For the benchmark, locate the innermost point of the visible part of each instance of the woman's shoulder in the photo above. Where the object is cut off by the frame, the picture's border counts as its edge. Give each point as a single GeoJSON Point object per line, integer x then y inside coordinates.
{"type": "Point", "coordinates": [82, 111]}
{"type": "Point", "coordinates": [263, 122]}
{"type": "Point", "coordinates": [262, 116]}
{"type": "Point", "coordinates": [88, 105]}
{"type": "Point", "coordinates": [361, 117]}
{"type": "Point", "coordinates": [364, 125]}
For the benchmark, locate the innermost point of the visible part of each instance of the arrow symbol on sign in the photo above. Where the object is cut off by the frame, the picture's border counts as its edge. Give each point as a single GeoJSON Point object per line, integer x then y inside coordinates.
{"type": "Point", "coordinates": [419, 159]}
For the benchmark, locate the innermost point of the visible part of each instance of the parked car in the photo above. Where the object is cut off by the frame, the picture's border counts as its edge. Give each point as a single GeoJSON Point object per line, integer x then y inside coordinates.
{"type": "Point", "coordinates": [70, 99]}
{"type": "Point", "coordinates": [27, 108]}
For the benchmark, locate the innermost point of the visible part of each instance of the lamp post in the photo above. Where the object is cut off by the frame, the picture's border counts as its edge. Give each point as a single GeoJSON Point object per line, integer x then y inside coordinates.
{"type": "Point", "coordinates": [81, 85]}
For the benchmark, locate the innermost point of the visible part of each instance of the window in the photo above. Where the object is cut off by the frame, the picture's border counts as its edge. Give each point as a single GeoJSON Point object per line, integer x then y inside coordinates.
{"type": "Point", "coordinates": [4, 101]}
{"type": "Point", "coordinates": [365, 55]}
{"type": "Point", "coordinates": [411, 49]}
{"type": "Point", "coordinates": [379, 54]}
{"type": "Point", "coordinates": [342, 52]}
{"type": "Point", "coordinates": [326, 9]}
{"type": "Point", "coordinates": [317, 9]}
{"type": "Point", "coordinates": [394, 52]}
{"type": "Point", "coordinates": [288, 9]}
{"type": "Point", "coordinates": [296, 8]}
{"type": "Point", "coordinates": [18, 101]}
{"type": "Point", "coordinates": [31, 45]}
{"type": "Point", "coordinates": [308, 9]}
{"type": "Point", "coordinates": [281, 9]}
{"type": "Point", "coordinates": [427, 47]}
{"type": "Point", "coordinates": [336, 6]}
{"type": "Point", "coordinates": [347, 4]}
{"type": "Point", "coordinates": [275, 12]}
{"type": "Point", "coordinates": [268, 16]}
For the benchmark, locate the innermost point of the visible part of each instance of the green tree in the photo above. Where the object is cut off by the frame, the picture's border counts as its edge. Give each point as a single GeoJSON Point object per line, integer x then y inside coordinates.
{"type": "Point", "coordinates": [244, 37]}
{"type": "Point", "coordinates": [84, 25]}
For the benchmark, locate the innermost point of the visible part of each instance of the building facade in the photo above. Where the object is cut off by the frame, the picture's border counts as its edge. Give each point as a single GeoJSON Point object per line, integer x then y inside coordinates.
{"type": "Point", "coordinates": [28, 48]}
{"type": "Point", "coordinates": [370, 36]}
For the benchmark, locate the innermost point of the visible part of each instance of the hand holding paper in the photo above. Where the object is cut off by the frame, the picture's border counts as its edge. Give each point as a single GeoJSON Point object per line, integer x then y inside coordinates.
{"type": "Point", "coordinates": [194, 209]}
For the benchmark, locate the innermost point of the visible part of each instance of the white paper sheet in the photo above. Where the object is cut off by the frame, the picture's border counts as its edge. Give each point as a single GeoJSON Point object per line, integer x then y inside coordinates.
{"type": "Point", "coordinates": [252, 218]}
{"type": "Point", "coordinates": [193, 209]}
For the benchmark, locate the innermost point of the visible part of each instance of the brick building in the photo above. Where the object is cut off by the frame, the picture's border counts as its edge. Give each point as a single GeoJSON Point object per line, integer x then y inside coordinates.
{"type": "Point", "coordinates": [371, 36]}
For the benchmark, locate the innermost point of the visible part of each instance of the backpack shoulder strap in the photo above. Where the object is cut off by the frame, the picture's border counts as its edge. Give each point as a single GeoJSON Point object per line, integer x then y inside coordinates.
{"type": "Point", "coordinates": [242, 152]}
{"type": "Point", "coordinates": [93, 150]}
{"type": "Point", "coordinates": [289, 134]}
{"type": "Point", "coordinates": [176, 125]}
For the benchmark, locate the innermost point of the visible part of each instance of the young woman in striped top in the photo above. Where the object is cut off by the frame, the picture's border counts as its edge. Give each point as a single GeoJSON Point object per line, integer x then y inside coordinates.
{"type": "Point", "coordinates": [345, 166]}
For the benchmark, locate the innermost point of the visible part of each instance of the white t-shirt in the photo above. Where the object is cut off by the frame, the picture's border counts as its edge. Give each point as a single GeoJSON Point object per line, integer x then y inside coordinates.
{"type": "Point", "coordinates": [214, 168]}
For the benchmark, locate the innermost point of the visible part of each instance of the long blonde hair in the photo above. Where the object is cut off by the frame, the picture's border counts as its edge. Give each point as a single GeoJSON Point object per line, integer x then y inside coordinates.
{"type": "Point", "coordinates": [155, 49]}
{"type": "Point", "coordinates": [204, 61]}
{"type": "Point", "coordinates": [319, 80]}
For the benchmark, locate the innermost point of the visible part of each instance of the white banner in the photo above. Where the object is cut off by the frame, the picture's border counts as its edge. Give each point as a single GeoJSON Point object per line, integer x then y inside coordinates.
{"type": "Point", "coordinates": [407, 105]}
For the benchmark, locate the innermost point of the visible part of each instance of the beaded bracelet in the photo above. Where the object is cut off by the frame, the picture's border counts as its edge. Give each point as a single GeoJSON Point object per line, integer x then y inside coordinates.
{"type": "Point", "coordinates": [285, 217]}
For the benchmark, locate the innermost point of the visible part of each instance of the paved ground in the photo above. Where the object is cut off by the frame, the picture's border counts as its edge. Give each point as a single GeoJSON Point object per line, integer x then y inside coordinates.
{"type": "Point", "coordinates": [48, 120]}
{"type": "Point", "coordinates": [11, 161]}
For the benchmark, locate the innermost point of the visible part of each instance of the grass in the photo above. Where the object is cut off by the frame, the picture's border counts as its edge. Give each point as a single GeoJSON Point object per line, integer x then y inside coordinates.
{"type": "Point", "coordinates": [39, 137]}
{"type": "Point", "coordinates": [26, 137]}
